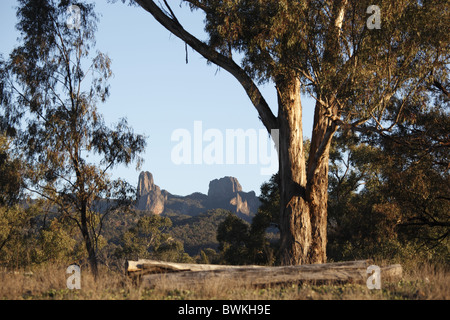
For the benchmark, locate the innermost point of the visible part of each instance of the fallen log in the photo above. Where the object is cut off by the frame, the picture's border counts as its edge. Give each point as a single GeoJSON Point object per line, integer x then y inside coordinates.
{"type": "Point", "coordinates": [167, 274]}
{"type": "Point", "coordinates": [392, 272]}
{"type": "Point", "coordinates": [143, 266]}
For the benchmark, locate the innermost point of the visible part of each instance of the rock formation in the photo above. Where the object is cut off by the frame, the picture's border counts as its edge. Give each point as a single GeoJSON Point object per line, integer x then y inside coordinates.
{"type": "Point", "coordinates": [225, 193]}
{"type": "Point", "coordinates": [149, 196]}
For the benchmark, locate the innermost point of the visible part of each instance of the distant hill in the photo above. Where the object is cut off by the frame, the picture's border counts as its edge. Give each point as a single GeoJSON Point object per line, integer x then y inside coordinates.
{"type": "Point", "coordinates": [198, 232]}
{"type": "Point", "coordinates": [225, 193]}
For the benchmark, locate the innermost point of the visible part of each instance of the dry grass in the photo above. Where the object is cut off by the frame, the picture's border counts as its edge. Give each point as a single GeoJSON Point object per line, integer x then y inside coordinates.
{"type": "Point", "coordinates": [49, 283]}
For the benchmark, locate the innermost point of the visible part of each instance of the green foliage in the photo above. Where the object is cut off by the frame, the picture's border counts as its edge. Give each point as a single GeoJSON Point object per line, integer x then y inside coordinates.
{"type": "Point", "coordinates": [150, 239]}
{"type": "Point", "coordinates": [416, 175]}
{"type": "Point", "coordinates": [278, 38]}
{"type": "Point", "coordinates": [268, 212]}
{"type": "Point", "coordinates": [242, 243]}
{"type": "Point", "coordinates": [263, 242]}
{"type": "Point", "coordinates": [199, 232]}
{"type": "Point", "coordinates": [233, 235]}
{"type": "Point", "coordinates": [402, 210]}
{"type": "Point", "coordinates": [29, 236]}
{"type": "Point", "coordinates": [209, 256]}
{"type": "Point", "coordinates": [56, 244]}
{"type": "Point", "coordinates": [145, 238]}
{"type": "Point", "coordinates": [15, 236]}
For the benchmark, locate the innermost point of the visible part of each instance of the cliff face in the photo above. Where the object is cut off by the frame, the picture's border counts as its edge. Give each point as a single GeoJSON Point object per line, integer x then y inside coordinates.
{"type": "Point", "coordinates": [149, 196]}
{"type": "Point", "coordinates": [225, 193]}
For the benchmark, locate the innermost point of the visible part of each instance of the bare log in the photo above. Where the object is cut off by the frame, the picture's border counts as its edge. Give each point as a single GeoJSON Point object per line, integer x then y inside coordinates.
{"type": "Point", "coordinates": [144, 266]}
{"type": "Point", "coordinates": [168, 274]}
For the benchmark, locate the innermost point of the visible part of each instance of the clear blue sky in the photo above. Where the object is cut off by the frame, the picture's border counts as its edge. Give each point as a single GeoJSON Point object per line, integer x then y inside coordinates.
{"type": "Point", "coordinates": [158, 93]}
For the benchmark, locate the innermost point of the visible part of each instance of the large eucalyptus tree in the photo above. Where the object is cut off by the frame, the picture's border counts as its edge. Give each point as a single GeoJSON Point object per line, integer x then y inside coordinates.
{"type": "Point", "coordinates": [363, 62]}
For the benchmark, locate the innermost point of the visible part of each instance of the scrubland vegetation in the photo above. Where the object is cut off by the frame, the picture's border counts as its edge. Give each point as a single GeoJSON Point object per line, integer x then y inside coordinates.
{"type": "Point", "coordinates": [420, 282]}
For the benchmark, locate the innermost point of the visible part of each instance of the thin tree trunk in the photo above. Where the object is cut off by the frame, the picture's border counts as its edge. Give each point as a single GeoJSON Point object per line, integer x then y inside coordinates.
{"type": "Point", "coordinates": [92, 256]}
{"type": "Point", "coordinates": [83, 209]}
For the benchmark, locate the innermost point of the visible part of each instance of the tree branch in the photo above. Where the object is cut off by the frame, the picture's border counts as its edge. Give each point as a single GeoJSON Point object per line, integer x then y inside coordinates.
{"type": "Point", "coordinates": [198, 5]}
{"type": "Point", "coordinates": [264, 111]}
{"type": "Point", "coordinates": [443, 89]}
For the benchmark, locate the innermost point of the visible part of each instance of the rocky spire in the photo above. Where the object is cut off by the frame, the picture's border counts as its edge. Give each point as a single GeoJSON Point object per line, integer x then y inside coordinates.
{"type": "Point", "coordinates": [145, 184]}
{"type": "Point", "coordinates": [149, 196]}
{"type": "Point", "coordinates": [224, 188]}
{"type": "Point", "coordinates": [227, 193]}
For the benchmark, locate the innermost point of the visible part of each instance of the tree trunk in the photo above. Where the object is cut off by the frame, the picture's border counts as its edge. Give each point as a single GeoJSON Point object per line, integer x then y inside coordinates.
{"type": "Point", "coordinates": [317, 186]}
{"type": "Point", "coordinates": [92, 256]}
{"type": "Point", "coordinates": [303, 193]}
{"type": "Point", "coordinates": [304, 209]}
{"type": "Point", "coordinates": [295, 222]}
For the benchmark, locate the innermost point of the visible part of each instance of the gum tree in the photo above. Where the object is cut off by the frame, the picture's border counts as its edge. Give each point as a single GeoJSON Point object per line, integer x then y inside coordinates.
{"type": "Point", "coordinates": [363, 68]}
{"type": "Point", "coordinates": [50, 91]}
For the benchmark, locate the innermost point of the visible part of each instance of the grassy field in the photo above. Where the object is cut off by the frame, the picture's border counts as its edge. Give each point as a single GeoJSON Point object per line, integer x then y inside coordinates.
{"type": "Point", "coordinates": [420, 282]}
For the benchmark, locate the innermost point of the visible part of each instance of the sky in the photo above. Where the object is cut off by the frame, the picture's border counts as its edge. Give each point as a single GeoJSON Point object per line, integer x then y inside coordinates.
{"type": "Point", "coordinates": [160, 95]}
